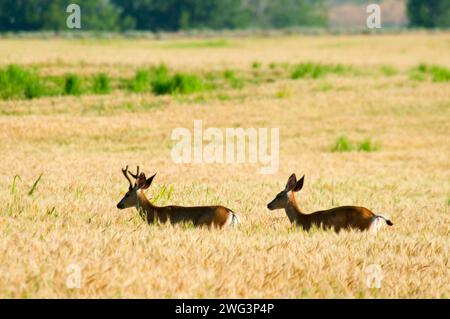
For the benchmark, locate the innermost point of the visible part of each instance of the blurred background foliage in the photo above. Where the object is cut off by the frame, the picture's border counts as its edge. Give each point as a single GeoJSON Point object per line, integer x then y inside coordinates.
{"type": "Point", "coordinates": [175, 15]}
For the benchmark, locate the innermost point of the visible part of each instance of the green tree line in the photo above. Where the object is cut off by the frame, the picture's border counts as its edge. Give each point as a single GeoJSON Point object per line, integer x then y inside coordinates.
{"type": "Point", "coordinates": [172, 15]}
{"type": "Point", "coordinates": [429, 13]}
{"type": "Point", "coordinates": [156, 15]}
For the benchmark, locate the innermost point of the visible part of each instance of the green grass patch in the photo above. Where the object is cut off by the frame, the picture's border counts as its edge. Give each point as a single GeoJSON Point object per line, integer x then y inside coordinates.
{"type": "Point", "coordinates": [73, 85]}
{"type": "Point", "coordinates": [185, 83]}
{"type": "Point", "coordinates": [256, 65]}
{"type": "Point", "coordinates": [368, 146]}
{"type": "Point", "coordinates": [161, 80]}
{"type": "Point", "coordinates": [179, 83]}
{"type": "Point", "coordinates": [141, 82]}
{"type": "Point", "coordinates": [434, 72]}
{"type": "Point", "coordinates": [439, 73]}
{"type": "Point", "coordinates": [344, 144]}
{"type": "Point", "coordinates": [19, 83]}
{"type": "Point", "coordinates": [101, 84]}
{"type": "Point", "coordinates": [231, 77]}
{"type": "Point", "coordinates": [310, 70]}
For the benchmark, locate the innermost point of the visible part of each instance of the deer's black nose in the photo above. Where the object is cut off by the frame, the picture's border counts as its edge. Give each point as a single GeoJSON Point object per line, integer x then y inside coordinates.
{"type": "Point", "coordinates": [119, 206]}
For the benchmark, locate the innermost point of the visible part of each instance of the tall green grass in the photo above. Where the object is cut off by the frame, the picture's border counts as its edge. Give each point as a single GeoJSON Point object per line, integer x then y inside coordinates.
{"type": "Point", "coordinates": [101, 84]}
{"type": "Point", "coordinates": [179, 83]}
{"type": "Point", "coordinates": [439, 73]}
{"type": "Point", "coordinates": [185, 83]}
{"type": "Point", "coordinates": [368, 145]}
{"type": "Point", "coordinates": [159, 81]}
{"type": "Point", "coordinates": [141, 82]}
{"type": "Point", "coordinates": [434, 72]}
{"type": "Point", "coordinates": [19, 83]}
{"type": "Point", "coordinates": [73, 85]}
{"type": "Point", "coordinates": [316, 70]}
{"type": "Point", "coordinates": [343, 144]}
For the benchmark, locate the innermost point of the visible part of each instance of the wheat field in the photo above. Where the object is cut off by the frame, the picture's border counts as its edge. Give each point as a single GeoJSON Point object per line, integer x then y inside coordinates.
{"type": "Point", "coordinates": [79, 144]}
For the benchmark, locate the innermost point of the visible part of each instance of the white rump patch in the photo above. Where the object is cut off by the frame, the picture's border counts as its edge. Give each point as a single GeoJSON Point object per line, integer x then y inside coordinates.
{"type": "Point", "coordinates": [232, 219]}
{"type": "Point", "coordinates": [376, 225]}
{"type": "Point", "coordinates": [236, 219]}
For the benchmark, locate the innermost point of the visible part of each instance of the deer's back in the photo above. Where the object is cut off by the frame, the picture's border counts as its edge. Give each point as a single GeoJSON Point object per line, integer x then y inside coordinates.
{"type": "Point", "coordinates": [199, 215]}
{"type": "Point", "coordinates": [343, 217]}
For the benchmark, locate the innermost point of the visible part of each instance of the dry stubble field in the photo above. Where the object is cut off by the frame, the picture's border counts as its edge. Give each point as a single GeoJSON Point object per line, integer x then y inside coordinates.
{"type": "Point", "coordinates": [79, 144]}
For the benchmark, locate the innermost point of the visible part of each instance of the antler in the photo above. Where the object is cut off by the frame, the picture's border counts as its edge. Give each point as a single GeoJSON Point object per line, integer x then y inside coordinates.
{"type": "Point", "coordinates": [135, 176]}
{"type": "Point", "coordinates": [124, 171]}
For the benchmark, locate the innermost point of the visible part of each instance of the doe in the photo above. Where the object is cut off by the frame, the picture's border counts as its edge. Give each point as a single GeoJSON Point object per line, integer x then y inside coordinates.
{"type": "Point", "coordinates": [338, 218]}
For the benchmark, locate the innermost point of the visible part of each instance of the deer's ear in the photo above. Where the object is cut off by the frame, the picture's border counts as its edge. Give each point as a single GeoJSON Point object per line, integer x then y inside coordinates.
{"type": "Point", "coordinates": [140, 181]}
{"type": "Point", "coordinates": [299, 184]}
{"type": "Point", "coordinates": [291, 183]}
{"type": "Point", "coordinates": [148, 182]}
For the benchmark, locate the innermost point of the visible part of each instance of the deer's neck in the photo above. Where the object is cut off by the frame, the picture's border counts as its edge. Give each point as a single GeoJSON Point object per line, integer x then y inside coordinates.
{"type": "Point", "coordinates": [294, 213]}
{"type": "Point", "coordinates": [146, 209]}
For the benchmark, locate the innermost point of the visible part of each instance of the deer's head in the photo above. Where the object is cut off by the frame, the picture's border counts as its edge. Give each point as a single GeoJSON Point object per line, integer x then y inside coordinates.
{"type": "Point", "coordinates": [282, 199]}
{"type": "Point", "coordinates": [141, 182]}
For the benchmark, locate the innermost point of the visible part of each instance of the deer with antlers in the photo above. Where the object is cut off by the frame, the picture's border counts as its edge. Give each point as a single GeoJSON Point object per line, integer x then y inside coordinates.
{"type": "Point", "coordinates": [215, 216]}
{"type": "Point", "coordinates": [337, 218]}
